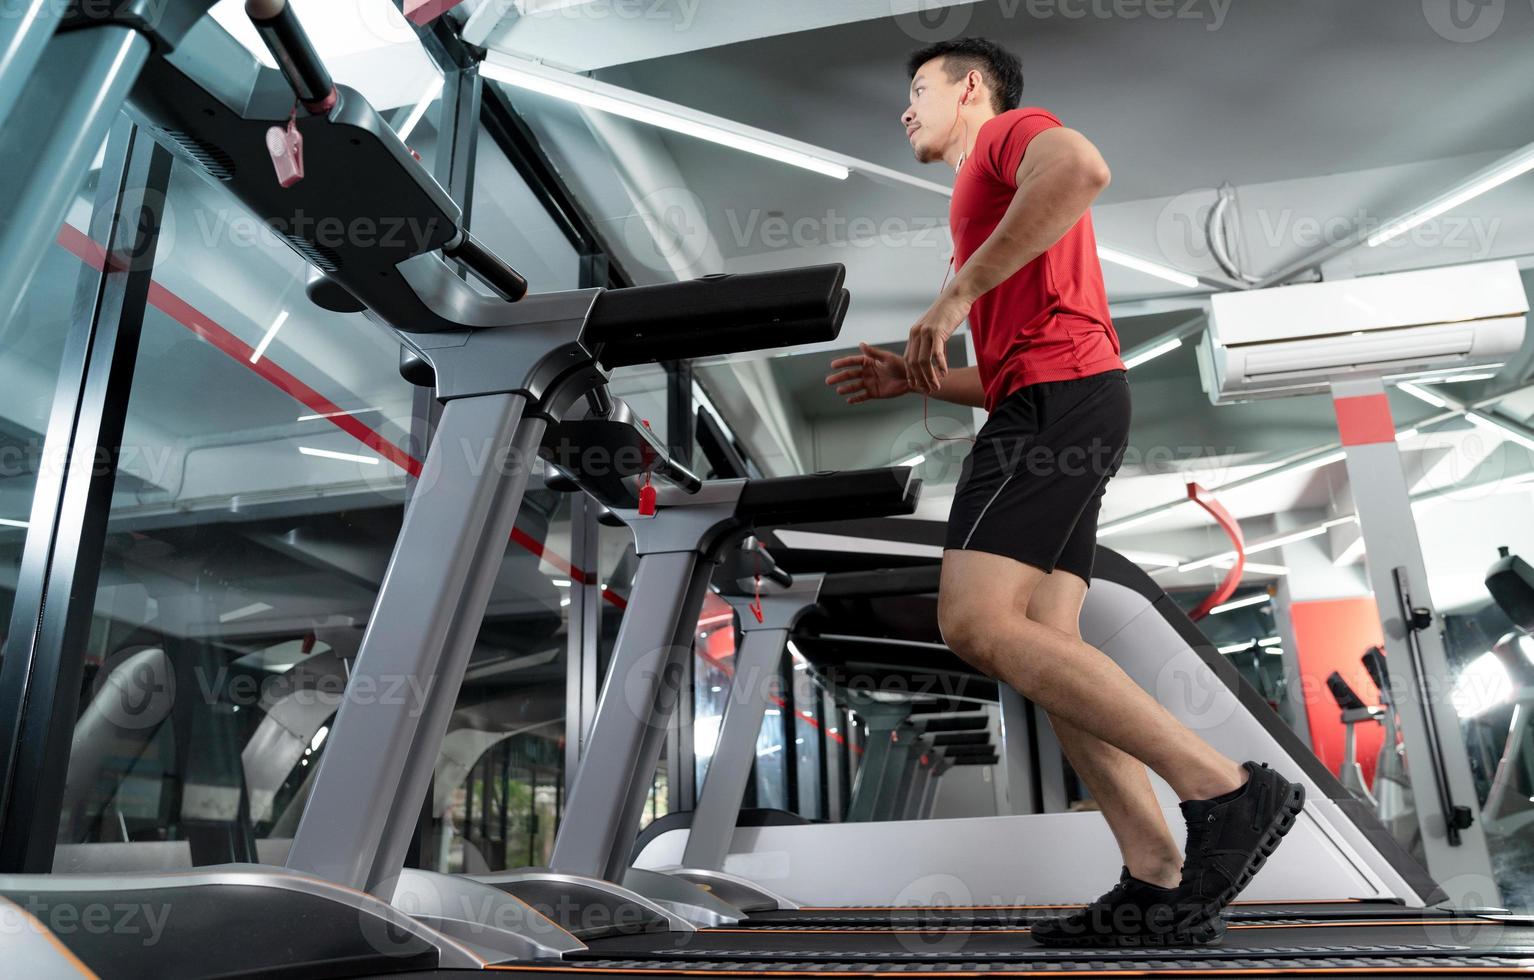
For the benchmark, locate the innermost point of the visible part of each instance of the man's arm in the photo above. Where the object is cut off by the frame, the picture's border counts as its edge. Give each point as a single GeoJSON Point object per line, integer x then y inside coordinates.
{"type": "Point", "coordinates": [962, 387]}
{"type": "Point", "coordinates": [1060, 176]}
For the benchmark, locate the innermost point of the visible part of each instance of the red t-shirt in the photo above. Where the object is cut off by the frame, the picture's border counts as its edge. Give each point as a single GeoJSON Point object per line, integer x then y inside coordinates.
{"type": "Point", "coordinates": [1049, 321]}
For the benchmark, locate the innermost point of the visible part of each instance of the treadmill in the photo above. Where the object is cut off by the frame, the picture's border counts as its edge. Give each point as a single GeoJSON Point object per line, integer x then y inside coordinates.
{"type": "Point", "coordinates": [957, 896]}
{"type": "Point", "coordinates": [508, 369]}
{"type": "Point", "coordinates": [511, 370]}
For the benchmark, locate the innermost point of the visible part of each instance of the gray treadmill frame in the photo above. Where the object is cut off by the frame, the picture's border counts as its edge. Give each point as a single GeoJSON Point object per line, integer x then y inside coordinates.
{"type": "Point", "coordinates": [756, 668]}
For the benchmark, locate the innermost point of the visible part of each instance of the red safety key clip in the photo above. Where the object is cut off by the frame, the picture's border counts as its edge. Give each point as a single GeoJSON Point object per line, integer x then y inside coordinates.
{"type": "Point", "coordinates": [286, 145]}
{"type": "Point", "coordinates": [646, 492]}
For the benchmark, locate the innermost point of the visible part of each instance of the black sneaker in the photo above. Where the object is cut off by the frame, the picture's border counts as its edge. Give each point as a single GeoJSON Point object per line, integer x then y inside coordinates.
{"type": "Point", "coordinates": [1134, 913]}
{"type": "Point", "coordinates": [1230, 836]}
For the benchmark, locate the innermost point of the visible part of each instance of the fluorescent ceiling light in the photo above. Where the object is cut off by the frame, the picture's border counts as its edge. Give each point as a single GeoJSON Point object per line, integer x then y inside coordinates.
{"type": "Point", "coordinates": [1265, 642]}
{"type": "Point", "coordinates": [1317, 463]}
{"type": "Point", "coordinates": [1152, 558]}
{"type": "Point", "coordinates": [916, 460]}
{"type": "Point", "coordinates": [1280, 470]}
{"type": "Point", "coordinates": [1497, 175]}
{"type": "Point", "coordinates": [1422, 394]}
{"type": "Point", "coordinates": [564, 602]}
{"type": "Point", "coordinates": [1269, 544]}
{"type": "Point", "coordinates": [1125, 523]}
{"type": "Point", "coordinates": [1251, 600]}
{"type": "Point", "coordinates": [1492, 425]}
{"type": "Point", "coordinates": [271, 334]}
{"type": "Point", "coordinates": [243, 611]}
{"type": "Point", "coordinates": [1154, 352]}
{"type": "Point", "coordinates": [335, 415]}
{"type": "Point", "coordinates": [416, 114]}
{"type": "Point", "coordinates": [319, 738]}
{"type": "Point", "coordinates": [1255, 566]}
{"type": "Point", "coordinates": [1406, 435]}
{"type": "Point", "coordinates": [592, 94]}
{"type": "Point", "coordinates": [346, 457]}
{"type": "Point", "coordinates": [794, 649]}
{"type": "Point", "coordinates": [1150, 268]}
{"type": "Point", "coordinates": [6, 522]}
{"type": "Point", "coordinates": [562, 583]}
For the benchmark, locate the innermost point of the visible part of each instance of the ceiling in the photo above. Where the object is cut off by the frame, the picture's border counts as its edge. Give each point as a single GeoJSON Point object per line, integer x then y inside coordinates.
{"type": "Point", "coordinates": [1321, 118]}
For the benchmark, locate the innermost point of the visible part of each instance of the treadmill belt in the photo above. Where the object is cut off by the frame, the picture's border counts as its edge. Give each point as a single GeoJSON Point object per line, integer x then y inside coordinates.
{"type": "Point", "coordinates": [1026, 915]}
{"type": "Point", "coordinates": [1392, 942]}
{"type": "Point", "coordinates": [1382, 965]}
{"type": "Point", "coordinates": [1463, 935]}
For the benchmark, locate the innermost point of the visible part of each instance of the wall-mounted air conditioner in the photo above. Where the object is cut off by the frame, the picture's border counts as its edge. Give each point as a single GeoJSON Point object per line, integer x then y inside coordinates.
{"type": "Point", "coordinates": [1294, 340]}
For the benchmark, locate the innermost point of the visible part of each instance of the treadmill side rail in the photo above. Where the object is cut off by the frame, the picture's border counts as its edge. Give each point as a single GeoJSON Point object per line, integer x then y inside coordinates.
{"type": "Point", "coordinates": [585, 907]}
{"type": "Point", "coordinates": [480, 915]}
{"type": "Point", "coordinates": [206, 919]}
{"type": "Point", "coordinates": [690, 900]}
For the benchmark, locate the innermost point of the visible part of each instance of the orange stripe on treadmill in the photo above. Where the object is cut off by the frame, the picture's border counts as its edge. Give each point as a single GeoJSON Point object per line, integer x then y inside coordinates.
{"type": "Point", "coordinates": [1441, 971]}
{"type": "Point", "coordinates": [985, 931]}
{"type": "Point", "coordinates": [1364, 420]}
{"type": "Point", "coordinates": [1064, 905]}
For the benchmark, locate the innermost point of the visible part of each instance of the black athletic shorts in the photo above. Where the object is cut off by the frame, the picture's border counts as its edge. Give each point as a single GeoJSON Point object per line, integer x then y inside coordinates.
{"type": "Point", "coordinates": [1032, 486]}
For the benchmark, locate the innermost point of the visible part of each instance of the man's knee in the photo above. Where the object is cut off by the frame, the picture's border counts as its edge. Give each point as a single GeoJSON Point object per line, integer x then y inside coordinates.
{"type": "Point", "coordinates": [1063, 623]}
{"type": "Point", "coordinates": [963, 625]}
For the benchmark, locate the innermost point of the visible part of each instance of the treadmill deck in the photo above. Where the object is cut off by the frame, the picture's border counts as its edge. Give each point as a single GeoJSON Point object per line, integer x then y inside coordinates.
{"type": "Point", "coordinates": [1309, 939]}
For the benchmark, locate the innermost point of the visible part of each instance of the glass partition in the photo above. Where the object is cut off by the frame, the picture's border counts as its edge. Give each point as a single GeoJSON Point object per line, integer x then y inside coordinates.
{"type": "Point", "coordinates": [31, 345]}
{"type": "Point", "coordinates": [267, 455]}
{"type": "Point", "coordinates": [1469, 515]}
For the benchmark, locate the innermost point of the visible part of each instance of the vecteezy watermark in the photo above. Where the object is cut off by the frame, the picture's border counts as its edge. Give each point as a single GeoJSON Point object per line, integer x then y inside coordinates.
{"type": "Point", "coordinates": [1464, 21]}
{"type": "Point", "coordinates": [1182, 230]}
{"type": "Point", "coordinates": [1199, 694]}
{"type": "Point", "coordinates": [671, 229]}
{"type": "Point", "coordinates": [37, 458]}
{"type": "Point", "coordinates": [150, 11]}
{"type": "Point", "coordinates": [757, 228]}
{"type": "Point", "coordinates": [927, 21]}
{"type": "Point", "coordinates": [668, 230]}
{"type": "Point", "coordinates": [943, 449]}
{"type": "Point", "coordinates": [653, 685]}
{"type": "Point", "coordinates": [233, 228]}
{"type": "Point", "coordinates": [136, 689]}
{"type": "Point", "coordinates": [34, 913]}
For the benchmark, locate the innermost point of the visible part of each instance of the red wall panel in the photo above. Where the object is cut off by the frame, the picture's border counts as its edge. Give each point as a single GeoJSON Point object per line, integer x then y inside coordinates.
{"type": "Point", "coordinates": [1332, 634]}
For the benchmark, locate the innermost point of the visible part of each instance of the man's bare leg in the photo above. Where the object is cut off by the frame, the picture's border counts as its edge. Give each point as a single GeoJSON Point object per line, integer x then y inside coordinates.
{"type": "Point", "coordinates": [982, 611]}
{"type": "Point", "coordinates": [1118, 781]}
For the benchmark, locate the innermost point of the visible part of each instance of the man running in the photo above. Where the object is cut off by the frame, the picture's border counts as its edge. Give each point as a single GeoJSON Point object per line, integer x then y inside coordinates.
{"type": "Point", "coordinates": [1023, 527]}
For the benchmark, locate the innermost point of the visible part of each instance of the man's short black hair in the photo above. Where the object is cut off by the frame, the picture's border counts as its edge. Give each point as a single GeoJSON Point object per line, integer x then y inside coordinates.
{"type": "Point", "coordinates": [1001, 69]}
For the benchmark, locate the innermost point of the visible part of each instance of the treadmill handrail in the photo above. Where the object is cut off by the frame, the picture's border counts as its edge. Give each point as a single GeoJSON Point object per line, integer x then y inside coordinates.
{"type": "Point", "coordinates": [885, 491]}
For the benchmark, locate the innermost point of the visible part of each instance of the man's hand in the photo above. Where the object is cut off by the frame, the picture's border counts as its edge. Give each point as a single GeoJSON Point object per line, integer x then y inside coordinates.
{"type": "Point", "coordinates": [926, 354]}
{"type": "Point", "coordinates": [872, 374]}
